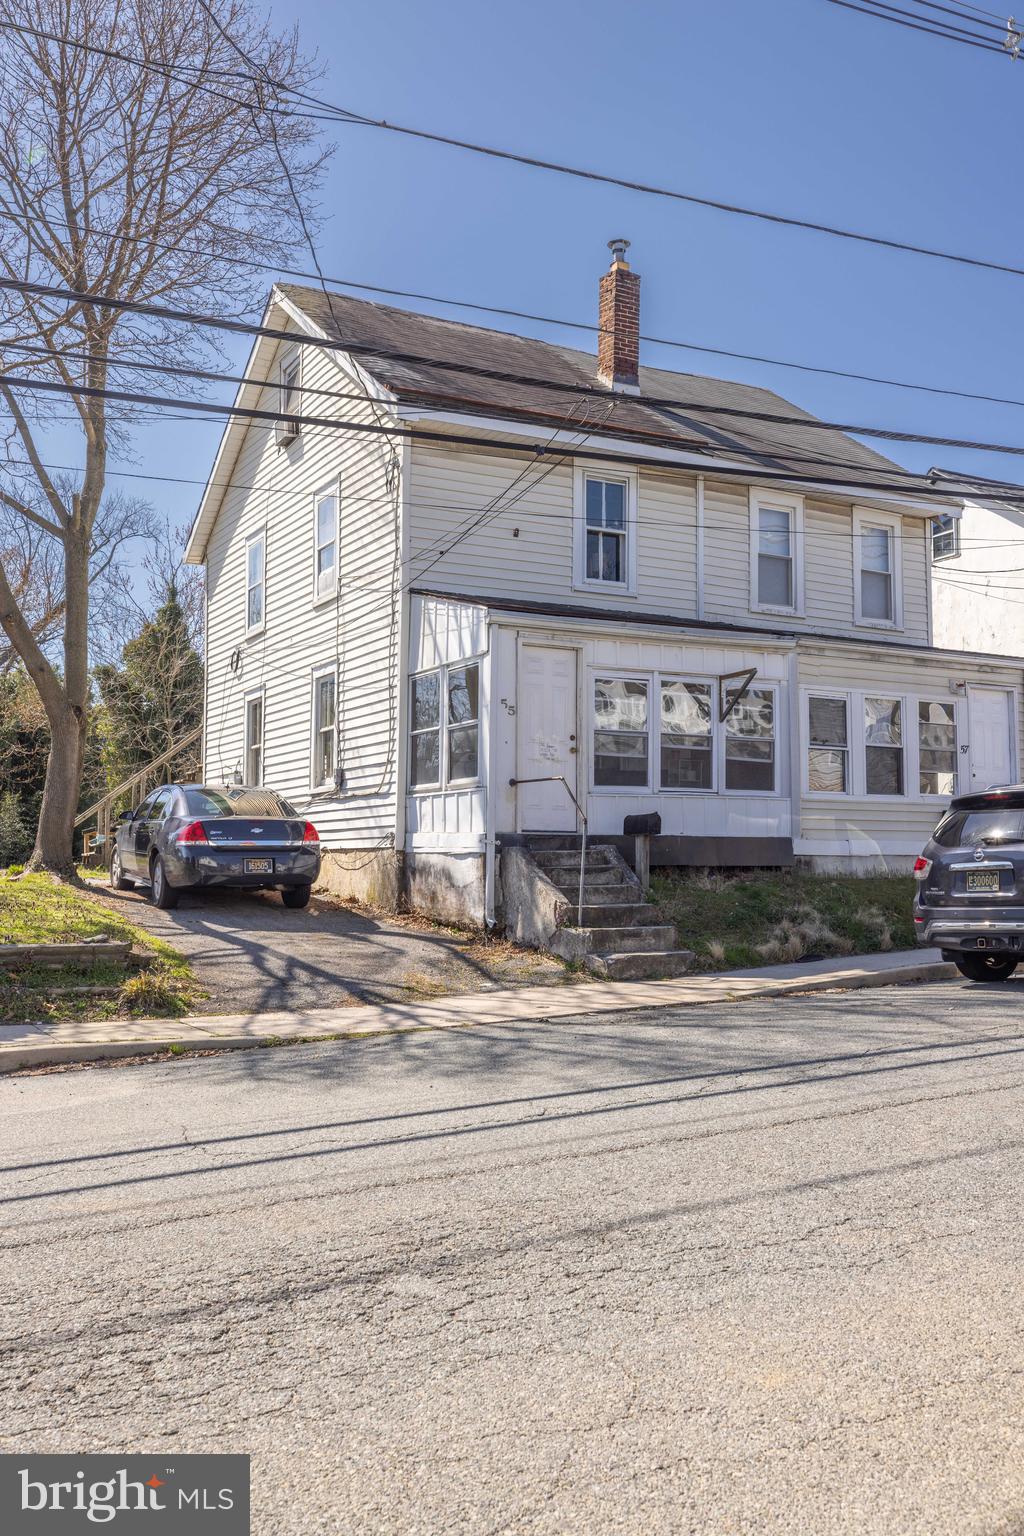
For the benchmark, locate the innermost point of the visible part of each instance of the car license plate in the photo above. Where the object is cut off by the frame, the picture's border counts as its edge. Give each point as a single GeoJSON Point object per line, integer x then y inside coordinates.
{"type": "Point", "coordinates": [259, 866]}
{"type": "Point", "coordinates": [983, 880]}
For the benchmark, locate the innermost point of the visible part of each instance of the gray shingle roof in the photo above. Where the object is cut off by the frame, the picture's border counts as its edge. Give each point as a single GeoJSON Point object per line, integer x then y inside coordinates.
{"type": "Point", "coordinates": [795, 448]}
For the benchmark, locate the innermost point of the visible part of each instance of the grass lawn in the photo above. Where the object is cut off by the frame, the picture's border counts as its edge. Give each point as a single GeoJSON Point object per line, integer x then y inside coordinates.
{"type": "Point", "coordinates": [766, 917]}
{"type": "Point", "coordinates": [37, 909]}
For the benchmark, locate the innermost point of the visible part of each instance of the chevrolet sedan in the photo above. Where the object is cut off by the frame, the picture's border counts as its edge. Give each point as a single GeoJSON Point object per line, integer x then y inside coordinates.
{"type": "Point", "coordinates": [186, 837]}
{"type": "Point", "coordinates": [970, 894]}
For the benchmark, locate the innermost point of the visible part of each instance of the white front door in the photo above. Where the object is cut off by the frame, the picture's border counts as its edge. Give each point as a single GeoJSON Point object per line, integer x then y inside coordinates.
{"type": "Point", "coordinates": [546, 716]}
{"type": "Point", "coordinates": [990, 716]}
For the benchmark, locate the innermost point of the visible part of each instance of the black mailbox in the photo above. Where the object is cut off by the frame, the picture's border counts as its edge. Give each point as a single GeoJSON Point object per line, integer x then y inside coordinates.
{"type": "Point", "coordinates": [642, 826]}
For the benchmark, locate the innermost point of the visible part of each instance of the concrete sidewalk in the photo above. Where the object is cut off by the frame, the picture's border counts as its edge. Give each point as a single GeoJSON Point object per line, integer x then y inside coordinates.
{"type": "Point", "coordinates": [23, 1045]}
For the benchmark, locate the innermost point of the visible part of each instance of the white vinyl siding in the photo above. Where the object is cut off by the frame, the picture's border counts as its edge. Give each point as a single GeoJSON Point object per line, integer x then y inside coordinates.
{"type": "Point", "coordinates": [363, 630]}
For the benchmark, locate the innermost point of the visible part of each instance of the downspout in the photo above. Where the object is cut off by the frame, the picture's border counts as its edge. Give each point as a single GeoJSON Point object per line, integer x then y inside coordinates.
{"type": "Point", "coordinates": [401, 680]}
{"type": "Point", "coordinates": [700, 546]}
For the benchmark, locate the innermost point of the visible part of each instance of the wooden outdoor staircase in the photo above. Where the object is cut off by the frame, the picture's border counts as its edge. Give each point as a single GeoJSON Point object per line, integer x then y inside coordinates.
{"type": "Point", "coordinates": [96, 843]}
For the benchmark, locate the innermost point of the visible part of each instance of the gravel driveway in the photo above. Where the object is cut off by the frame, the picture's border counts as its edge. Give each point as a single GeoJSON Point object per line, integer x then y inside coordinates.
{"type": "Point", "coordinates": [253, 954]}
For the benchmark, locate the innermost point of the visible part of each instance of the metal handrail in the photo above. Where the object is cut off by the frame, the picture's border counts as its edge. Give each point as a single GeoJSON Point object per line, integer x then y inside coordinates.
{"type": "Point", "coordinates": [559, 778]}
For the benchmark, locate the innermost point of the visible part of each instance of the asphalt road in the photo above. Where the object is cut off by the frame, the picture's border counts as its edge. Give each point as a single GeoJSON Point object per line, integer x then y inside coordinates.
{"type": "Point", "coordinates": [743, 1269]}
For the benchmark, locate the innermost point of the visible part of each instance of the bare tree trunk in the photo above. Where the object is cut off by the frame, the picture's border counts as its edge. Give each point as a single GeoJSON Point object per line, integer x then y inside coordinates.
{"type": "Point", "coordinates": [67, 714]}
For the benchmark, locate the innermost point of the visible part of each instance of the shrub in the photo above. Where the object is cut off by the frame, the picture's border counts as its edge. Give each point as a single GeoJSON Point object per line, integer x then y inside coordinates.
{"type": "Point", "coordinates": [15, 837]}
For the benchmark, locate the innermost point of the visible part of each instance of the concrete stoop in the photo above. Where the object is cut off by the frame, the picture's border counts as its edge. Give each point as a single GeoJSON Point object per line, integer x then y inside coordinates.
{"type": "Point", "coordinates": [622, 935]}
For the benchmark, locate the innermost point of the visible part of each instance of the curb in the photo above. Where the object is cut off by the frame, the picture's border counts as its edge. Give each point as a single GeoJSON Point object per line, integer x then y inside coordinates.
{"type": "Point", "coordinates": [15, 1057]}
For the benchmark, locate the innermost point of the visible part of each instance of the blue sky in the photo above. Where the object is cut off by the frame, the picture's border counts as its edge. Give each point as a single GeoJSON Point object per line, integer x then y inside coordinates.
{"type": "Point", "coordinates": [797, 106]}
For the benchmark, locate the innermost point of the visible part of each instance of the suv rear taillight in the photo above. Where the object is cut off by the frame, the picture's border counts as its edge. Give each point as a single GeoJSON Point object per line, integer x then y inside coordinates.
{"type": "Point", "coordinates": [195, 832]}
{"type": "Point", "coordinates": [922, 868]}
{"type": "Point", "coordinates": [310, 833]}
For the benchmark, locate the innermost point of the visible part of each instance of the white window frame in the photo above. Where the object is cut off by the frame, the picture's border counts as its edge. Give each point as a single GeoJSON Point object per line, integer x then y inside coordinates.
{"type": "Point", "coordinates": [258, 535]}
{"type": "Point", "coordinates": [326, 593]}
{"type": "Point", "coordinates": [443, 782]}
{"type": "Point", "coordinates": [944, 533]}
{"type": "Point", "coordinates": [864, 518]}
{"type": "Point", "coordinates": [288, 429]}
{"type": "Point", "coordinates": [660, 679]}
{"type": "Point", "coordinates": [854, 745]}
{"type": "Point", "coordinates": [630, 479]}
{"type": "Point", "coordinates": [958, 758]}
{"type": "Point", "coordinates": [315, 729]}
{"type": "Point", "coordinates": [794, 506]}
{"type": "Point", "coordinates": [654, 679]}
{"type": "Point", "coordinates": [858, 743]}
{"type": "Point", "coordinates": [254, 696]}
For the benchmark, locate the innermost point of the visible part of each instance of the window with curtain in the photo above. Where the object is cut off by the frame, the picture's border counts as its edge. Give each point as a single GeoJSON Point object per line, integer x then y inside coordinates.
{"type": "Point", "coordinates": [883, 746]}
{"type": "Point", "coordinates": [828, 746]}
{"type": "Point", "coordinates": [326, 535]}
{"type": "Point", "coordinates": [621, 733]}
{"type": "Point", "coordinates": [936, 735]}
{"type": "Point", "coordinates": [686, 735]}
{"type": "Point", "coordinates": [750, 741]}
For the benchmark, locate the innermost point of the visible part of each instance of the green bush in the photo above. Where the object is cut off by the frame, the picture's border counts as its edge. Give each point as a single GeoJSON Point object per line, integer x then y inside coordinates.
{"type": "Point", "coordinates": [15, 837]}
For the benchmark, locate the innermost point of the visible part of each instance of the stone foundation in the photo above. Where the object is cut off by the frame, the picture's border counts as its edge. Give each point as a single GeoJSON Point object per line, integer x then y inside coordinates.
{"type": "Point", "coordinates": [448, 886]}
{"type": "Point", "coordinates": [373, 875]}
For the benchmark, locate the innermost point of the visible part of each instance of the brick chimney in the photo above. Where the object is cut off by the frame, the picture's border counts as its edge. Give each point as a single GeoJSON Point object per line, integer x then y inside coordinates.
{"type": "Point", "coordinates": [618, 343]}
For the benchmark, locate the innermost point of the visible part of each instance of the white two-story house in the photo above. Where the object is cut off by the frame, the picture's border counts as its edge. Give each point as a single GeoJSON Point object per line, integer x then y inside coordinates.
{"type": "Point", "coordinates": [466, 587]}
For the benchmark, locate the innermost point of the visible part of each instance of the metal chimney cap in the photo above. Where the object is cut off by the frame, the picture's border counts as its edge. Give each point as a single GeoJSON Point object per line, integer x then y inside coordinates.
{"type": "Point", "coordinates": [618, 249]}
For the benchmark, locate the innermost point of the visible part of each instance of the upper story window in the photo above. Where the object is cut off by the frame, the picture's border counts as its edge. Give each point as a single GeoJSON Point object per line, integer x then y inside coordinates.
{"type": "Point", "coordinates": [254, 739]}
{"type": "Point", "coordinates": [325, 540]}
{"type": "Point", "coordinates": [604, 554]}
{"type": "Point", "coordinates": [255, 582]}
{"type": "Point", "coordinates": [288, 402]}
{"type": "Point", "coordinates": [878, 581]}
{"type": "Point", "coordinates": [325, 730]}
{"type": "Point", "coordinates": [776, 552]}
{"type": "Point", "coordinates": [445, 727]}
{"type": "Point", "coordinates": [945, 537]}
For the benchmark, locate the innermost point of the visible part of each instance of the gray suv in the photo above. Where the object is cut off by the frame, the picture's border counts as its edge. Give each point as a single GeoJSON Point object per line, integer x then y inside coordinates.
{"type": "Point", "coordinates": [970, 893]}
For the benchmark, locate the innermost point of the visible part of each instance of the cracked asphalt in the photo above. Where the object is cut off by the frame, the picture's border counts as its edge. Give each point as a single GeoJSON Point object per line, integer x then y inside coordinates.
{"type": "Point", "coordinates": [748, 1268]}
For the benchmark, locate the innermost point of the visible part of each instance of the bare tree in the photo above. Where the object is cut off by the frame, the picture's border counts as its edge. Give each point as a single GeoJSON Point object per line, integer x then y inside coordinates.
{"type": "Point", "coordinates": [135, 164]}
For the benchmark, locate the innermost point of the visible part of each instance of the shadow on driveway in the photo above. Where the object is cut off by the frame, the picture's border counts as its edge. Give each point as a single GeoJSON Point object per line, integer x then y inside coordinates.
{"type": "Point", "coordinates": [254, 955]}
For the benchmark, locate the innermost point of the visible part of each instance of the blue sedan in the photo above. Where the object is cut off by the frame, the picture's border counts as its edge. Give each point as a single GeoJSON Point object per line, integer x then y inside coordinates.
{"type": "Point", "coordinates": [185, 837]}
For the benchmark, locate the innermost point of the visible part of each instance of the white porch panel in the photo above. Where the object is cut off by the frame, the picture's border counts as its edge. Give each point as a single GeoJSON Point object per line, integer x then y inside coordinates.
{"type": "Point", "coordinates": [683, 812]}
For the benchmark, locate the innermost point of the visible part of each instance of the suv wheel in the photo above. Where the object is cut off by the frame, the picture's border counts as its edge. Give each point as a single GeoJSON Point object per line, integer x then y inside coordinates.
{"type": "Point", "coordinates": [117, 877]}
{"type": "Point", "coordinates": [164, 896]}
{"type": "Point", "coordinates": [985, 967]}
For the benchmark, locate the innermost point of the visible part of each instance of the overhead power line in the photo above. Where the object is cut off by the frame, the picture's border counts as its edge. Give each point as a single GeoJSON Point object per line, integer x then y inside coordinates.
{"type": "Point", "coordinates": [918, 21]}
{"type": "Point", "coordinates": [889, 487]}
{"type": "Point", "coordinates": [556, 320]}
{"type": "Point", "coordinates": [343, 115]}
{"type": "Point", "coordinates": [574, 389]}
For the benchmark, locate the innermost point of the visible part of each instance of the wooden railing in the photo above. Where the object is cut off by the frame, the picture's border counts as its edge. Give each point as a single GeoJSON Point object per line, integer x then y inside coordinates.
{"type": "Point", "coordinates": [96, 842]}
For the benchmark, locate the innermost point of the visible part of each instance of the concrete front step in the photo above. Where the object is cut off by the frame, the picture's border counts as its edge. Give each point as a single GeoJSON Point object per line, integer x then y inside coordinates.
{"type": "Point", "coordinates": [620, 894]}
{"type": "Point", "coordinates": [590, 943]}
{"type": "Point", "coordinates": [652, 965]}
{"type": "Point", "coordinates": [615, 914]}
{"type": "Point", "coordinates": [597, 853]}
{"type": "Point", "coordinates": [594, 874]}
